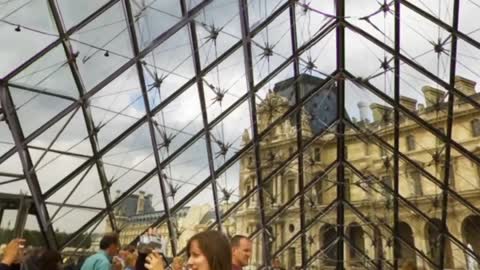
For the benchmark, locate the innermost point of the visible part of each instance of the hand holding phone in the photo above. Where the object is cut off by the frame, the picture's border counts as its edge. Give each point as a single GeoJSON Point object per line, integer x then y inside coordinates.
{"type": "Point", "coordinates": [150, 241]}
{"type": "Point", "coordinates": [155, 261]}
{"type": "Point", "coordinates": [13, 251]}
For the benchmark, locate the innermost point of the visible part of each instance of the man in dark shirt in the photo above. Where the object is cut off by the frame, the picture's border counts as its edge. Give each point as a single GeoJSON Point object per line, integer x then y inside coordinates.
{"type": "Point", "coordinates": [241, 251]}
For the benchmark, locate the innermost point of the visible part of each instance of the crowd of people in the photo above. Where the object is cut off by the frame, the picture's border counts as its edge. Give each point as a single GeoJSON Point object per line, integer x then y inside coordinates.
{"type": "Point", "coordinates": [209, 250]}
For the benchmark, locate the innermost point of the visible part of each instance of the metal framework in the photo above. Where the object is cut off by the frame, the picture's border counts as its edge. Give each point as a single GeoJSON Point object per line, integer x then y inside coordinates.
{"type": "Point", "coordinates": [254, 27]}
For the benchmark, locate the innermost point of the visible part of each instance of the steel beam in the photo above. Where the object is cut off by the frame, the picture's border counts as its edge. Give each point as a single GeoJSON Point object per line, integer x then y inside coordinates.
{"type": "Point", "coordinates": [396, 137]}
{"type": "Point", "coordinates": [203, 106]}
{"type": "Point", "coordinates": [341, 184]}
{"type": "Point", "coordinates": [151, 128]}
{"type": "Point", "coordinates": [159, 40]}
{"type": "Point", "coordinates": [248, 63]}
{"type": "Point", "coordinates": [87, 115]}
{"type": "Point", "coordinates": [299, 122]}
{"type": "Point", "coordinates": [413, 64]}
{"type": "Point", "coordinates": [451, 99]}
{"type": "Point", "coordinates": [57, 42]}
{"type": "Point", "coordinates": [27, 166]}
{"type": "Point", "coordinates": [452, 29]}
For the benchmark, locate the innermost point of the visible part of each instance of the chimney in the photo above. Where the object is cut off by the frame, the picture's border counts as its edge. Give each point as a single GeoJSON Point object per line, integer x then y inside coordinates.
{"type": "Point", "coordinates": [141, 202]}
{"type": "Point", "coordinates": [363, 109]}
{"type": "Point", "coordinates": [409, 103]}
{"type": "Point", "coordinates": [465, 85]}
{"type": "Point", "coordinates": [432, 95]}
{"type": "Point", "coordinates": [379, 111]}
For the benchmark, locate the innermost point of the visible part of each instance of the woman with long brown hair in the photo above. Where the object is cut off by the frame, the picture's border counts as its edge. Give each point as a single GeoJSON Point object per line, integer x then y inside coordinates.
{"type": "Point", "coordinates": [209, 250]}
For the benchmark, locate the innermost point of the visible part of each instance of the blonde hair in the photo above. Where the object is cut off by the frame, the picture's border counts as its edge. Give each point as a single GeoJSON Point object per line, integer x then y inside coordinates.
{"type": "Point", "coordinates": [131, 260]}
{"type": "Point", "coordinates": [178, 260]}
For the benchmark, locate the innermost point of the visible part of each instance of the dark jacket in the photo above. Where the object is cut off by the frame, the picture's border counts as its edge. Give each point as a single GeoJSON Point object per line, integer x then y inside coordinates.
{"type": "Point", "coordinates": [11, 267]}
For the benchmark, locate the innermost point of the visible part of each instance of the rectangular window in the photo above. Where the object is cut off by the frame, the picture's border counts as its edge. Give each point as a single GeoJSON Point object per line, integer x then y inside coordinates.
{"type": "Point", "coordinates": [291, 188]}
{"type": "Point", "coordinates": [475, 127]}
{"type": "Point", "coordinates": [417, 183]}
{"type": "Point", "coordinates": [291, 258]}
{"type": "Point", "coordinates": [410, 143]}
{"type": "Point", "coordinates": [317, 156]}
{"type": "Point", "coordinates": [319, 192]}
{"type": "Point", "coordinates": [347, 189]}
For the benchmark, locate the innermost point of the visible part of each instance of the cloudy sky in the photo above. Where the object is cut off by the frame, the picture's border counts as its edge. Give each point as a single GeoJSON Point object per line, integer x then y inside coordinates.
{"type": "Point", "coordinates": [103, 46]}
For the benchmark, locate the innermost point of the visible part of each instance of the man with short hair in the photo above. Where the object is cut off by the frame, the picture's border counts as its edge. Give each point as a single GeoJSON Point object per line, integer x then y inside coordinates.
{"type": "Point", "coordinates": [276, 265]}
{"type": "Point", "coordinates": [241, 251]}
{"type": "Point", "coordinates": [102, 260]}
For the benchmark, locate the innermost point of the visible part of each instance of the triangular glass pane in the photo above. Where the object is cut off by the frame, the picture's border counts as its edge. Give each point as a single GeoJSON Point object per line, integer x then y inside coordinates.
{"type": "Point", "coordinates": [268, 50]}
{"type": "Point", "coordinates": [6, 139]}
{"type": "Point", "coordinates": [467, 22]}
{"type": "Point", "coordinates": [163, 78]}
{"type": "Point", "coordinates": [117, 106]}
{"type": "Point", "coordinates": [153, 18]}
{"type": "Point", "coordinates": [20, 27]}
{"type": "Point", "coordinates": [50, 74]}
{"type": "Point", "coordinates": [73, 12]}
{"type": "Point", "coordinates": [68, 219]}
{"type": "Point", "coordinates": [12, 165]}
{"type": "Point", "coordinates": [43, 106]}
{"type": "Point", "coordinates": [84, 190]}
{"type": "Point", "coordinates": [68, 135]}
{"type": "Point", "coordinates": [14, 185]}
{"type": "Point", "coordinates": [89, 239]}
{"type": "Point", "coordinates": [258, 11]}
{"type": "Point", "coordinates": [375, 18]}
{"type": "Point", "coordinates": [218, 29]}
{"type": "Point", "coordinates": [179, 121]}
{"type": "Point", "coordinates": [224, 85]}
{"type": "Point", "coordinates": [130, 160]}
{"type": "Point", "coordinates": [46, 167]}
{"type": "Point", "coordinates": [312, 22]}
{"type": "Point", "coordinates": [231, 134]}
{"type": "Point", "coordinates": [187, 171]}
{"type": "Point", "coordinates": [103, 45]}
{"type": "Point", "coordinates": [426, 43]}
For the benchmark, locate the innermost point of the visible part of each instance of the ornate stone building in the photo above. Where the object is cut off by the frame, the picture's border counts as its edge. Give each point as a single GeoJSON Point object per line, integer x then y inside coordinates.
{"type": "Point", "coordinates": [369, 174]}
{"type": "Point", "coordinates": [136, 214]}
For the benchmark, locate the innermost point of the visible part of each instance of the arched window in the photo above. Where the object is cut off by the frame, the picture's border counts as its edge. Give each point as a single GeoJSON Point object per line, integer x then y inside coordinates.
{"type": "Point", "coordinates": [470, 233]}
{"type": "Point", "coordinates": [357, 248]}
{"type": "Point", "coordinates": [433, 242]}
{"type": "Point", "coordinates": [406, 253]}
{"type": "Point", "coordinates": [328, 235]}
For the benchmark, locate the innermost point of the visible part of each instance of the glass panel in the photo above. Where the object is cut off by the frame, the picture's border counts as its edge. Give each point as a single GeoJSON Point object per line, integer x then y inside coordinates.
{"type": "Point", "coordinates": [102, 46]}
{"type": "Point", "coordinates": [18, 26]}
